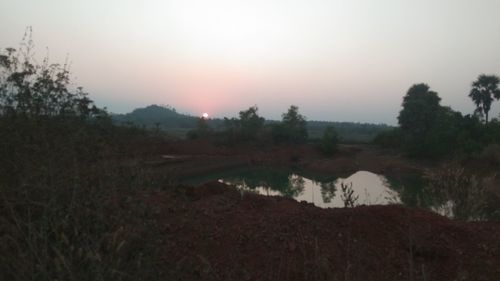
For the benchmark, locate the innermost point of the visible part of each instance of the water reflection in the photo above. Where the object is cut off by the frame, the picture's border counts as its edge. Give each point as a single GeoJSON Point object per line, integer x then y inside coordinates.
{"type": "Point", "coordinates": [324, 191]}
{"type": "Point", "coordinates": [371, 188]}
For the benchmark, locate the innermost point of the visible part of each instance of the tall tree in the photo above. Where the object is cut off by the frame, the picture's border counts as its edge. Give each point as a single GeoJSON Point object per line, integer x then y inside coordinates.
{"type": "Point", "coordinates": [484, 91]}
{"type": "Point", "coordinates": [251, 123]}
{"type": "Point", "coordinates": [292, 129]}
{"type": "Point", "coordinates": [420, 108]}
{"type": "Point", "coordinates": [420, 111]}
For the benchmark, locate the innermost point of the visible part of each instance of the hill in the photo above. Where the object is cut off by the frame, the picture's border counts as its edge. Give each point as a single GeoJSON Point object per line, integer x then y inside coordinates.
{"type": "Point", "coordinates": [166, 118]}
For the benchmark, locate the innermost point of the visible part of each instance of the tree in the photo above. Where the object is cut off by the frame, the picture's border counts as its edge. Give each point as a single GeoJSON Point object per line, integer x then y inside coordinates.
{"type": "Point", "coordinates": [293, 128]}
{"type": "Point", "coordinates": [248, 127]}
{"type": "Point", "coordinates": [251, 123]}
{"type": "Point", "coordinates": [329, 141]}
{"type": "Point", "coordinates": [203, 130]}
{"type": "Point", "coordinates": [35, 90]}
{"type": "Point", "coordinates": [420, 110]}
{"type": "Point", "coordinates": [484, 91]}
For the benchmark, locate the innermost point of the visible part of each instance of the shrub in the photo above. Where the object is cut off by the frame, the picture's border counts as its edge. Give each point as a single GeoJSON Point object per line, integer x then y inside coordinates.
{"type": "Point", "coordinates": [329, 141]}
{"type": "Point", "coordinates": [491, 154]}
{"type": "Point", "coordinates": [455, 193]}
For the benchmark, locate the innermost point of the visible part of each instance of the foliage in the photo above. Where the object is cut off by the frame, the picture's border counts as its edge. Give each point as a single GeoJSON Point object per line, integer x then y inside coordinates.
{"type": "Point", "coordinates": [491, 154]}
{"type": "Point", "coordinates": [429, 130]}
{"type": "Point", "coordinates": [329, 141]}
{"type": "Point", "coordinates": [169, 120]}
{"type": "Point", "coordinates": [420, 107]}
{"type": "Point", "coordinates": [389, 138]}
{"type": "Point", "coordinates": [456, 193]}
{"type": "Point", "coordinates": [249, 127]}
{"type": "Point", "coordinates": [65, 203]}
{"type": "Point", "coordinates": [351, 132]}
{"type": "Point", "coordinates": [420, 111]}
{"type": "Point", "coordinates": [350, 200]}
{"type": "Point", "coordinates": [202, 130]}
{"type": "Point", "coordinates": [292, 129]}
{"type": "Point", "coordinates": [31, 90]}
{"type": "Point", "coordinates": [484, 91]}
{"type": "Point", "coordinates": [64, 212]}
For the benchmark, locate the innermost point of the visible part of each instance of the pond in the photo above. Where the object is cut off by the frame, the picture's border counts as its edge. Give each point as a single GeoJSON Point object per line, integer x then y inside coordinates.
{"type": "Point", "coordinates": [324, 190]}
{"type": "Point", "coordinates": [330, 191]}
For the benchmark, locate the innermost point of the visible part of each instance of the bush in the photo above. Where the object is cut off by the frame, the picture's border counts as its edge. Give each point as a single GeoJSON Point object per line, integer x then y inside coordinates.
{"type": "Point", "coordinates": [491, 154]}
{"type": "Point", "coordinates": [455, 193]}
{"type": "Point", "coordinates": [389, 138]}
{"type": "Point", "coordinates": [329, 141]}
{"type": "Point", "coordinates": [66, 193]}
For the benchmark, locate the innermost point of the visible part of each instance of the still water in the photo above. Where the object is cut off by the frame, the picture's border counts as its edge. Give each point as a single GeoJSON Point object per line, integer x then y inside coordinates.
{"type": "Point", "coordinates": [324, 191]}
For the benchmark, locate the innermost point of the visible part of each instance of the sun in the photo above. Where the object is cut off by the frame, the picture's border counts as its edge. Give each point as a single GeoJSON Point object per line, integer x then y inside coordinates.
{"type": "Point", "coordinates": [205, 115]}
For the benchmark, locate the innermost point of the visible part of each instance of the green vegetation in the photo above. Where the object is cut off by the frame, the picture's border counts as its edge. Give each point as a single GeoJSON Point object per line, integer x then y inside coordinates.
{"type": "Point", "coordinates": [169, 120]}
{"type": "Point", "coordinates": [73, 184]}
{"type": "Point", "coordinates": [203, 130]}
{"type": "Point", "coordinates": [459, 194]}
{"type": "Point", "coordinates": [484, 91]}
{"type": "Point", "coordinates": [347, 131]}
{"type": "Point", "coordinates": [430, 130]}
{"type": "Point", "coordinates": [249, 127]}
{"type": "Point", "coordinates": [329, 141]}
{"type": "Point", "coordinates": [292, 128]}
{"type": "Point", "coordinates": [64, 214]}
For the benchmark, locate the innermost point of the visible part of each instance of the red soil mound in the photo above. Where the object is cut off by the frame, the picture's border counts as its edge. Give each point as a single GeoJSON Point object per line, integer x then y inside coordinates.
{"type": "Point", "coordinates": [214, 232]}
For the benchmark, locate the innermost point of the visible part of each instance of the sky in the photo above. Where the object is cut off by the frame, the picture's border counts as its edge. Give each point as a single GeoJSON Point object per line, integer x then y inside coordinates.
{"type": "Point", "coordinates": [337, 60]}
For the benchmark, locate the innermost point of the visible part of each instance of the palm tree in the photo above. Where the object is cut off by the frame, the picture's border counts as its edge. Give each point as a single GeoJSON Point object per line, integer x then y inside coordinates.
{"type": "Point", "coordinates": [484, 91]}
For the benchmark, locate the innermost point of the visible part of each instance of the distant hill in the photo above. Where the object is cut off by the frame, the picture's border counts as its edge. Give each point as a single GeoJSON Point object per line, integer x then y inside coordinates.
{"type": "Point", "coordinates": [166, 118]}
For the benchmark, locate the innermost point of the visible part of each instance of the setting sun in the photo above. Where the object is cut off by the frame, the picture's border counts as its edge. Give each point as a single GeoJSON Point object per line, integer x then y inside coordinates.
{"type": "Point", "coordinates": [205, 115]}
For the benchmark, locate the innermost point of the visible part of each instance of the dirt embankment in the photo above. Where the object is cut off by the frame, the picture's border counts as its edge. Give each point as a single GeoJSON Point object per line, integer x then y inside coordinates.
{"type": "Point", "coordinates": [188, 158]}
{"type": "Point", "coordinates": [213, 232]}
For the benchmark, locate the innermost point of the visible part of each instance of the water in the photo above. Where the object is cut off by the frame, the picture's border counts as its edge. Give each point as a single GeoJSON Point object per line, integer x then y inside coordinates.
{"type": "Point", "coordinates": [323, 191]}
{"type": "Point", "coordinates": [368, 188]}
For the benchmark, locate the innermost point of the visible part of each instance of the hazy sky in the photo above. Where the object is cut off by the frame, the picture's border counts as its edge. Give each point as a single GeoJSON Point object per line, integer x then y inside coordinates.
{"type": "Point", "coordinates": [337, 60]}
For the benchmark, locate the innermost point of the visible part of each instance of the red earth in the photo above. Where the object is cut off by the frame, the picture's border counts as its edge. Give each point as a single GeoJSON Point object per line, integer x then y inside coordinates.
{"type": "Point", "coordinates": [215, 232]}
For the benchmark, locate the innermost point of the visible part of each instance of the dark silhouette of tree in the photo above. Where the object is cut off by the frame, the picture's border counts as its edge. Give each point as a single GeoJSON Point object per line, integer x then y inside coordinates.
{"type": "Point", "coordinates": [329, 141]}
{"type": "Point", "coordinates": [293, 128]}
{"type": "Point", "coordinates": [251, 123]}
{"type": "Point", "coordinates": [420, 111]}
{"type": "Point", "coordinates": [484, 91]}
{"type": "Point", "coordinates": [34, 90]}
{"type": "Point", "coordinates": [420, 108]}
{"type": "Point", "coordinates": [202, 130]}
{"type": "Point", "coordinates": [247, 128]}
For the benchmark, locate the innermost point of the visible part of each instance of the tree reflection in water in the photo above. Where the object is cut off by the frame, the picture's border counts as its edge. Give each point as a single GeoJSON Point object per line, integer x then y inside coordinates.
{"type": "Point", "coordinates": [328, 190]}
{"type": "Point", "coordinates": [295, 186]}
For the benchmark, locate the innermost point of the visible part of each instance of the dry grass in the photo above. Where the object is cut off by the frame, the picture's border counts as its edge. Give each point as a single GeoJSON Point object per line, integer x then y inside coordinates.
{"type": "Point", "coordinates": [67, 210]}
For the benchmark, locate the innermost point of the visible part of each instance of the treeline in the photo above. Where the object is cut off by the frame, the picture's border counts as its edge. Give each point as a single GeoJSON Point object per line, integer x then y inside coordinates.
{"type": "Point", "coordinates": [429, 130]}
{"type": "Point", "coordinates": [167, 119]}
{"type": "Point", "coordinates": [348, 131]}
{"type": "Point", "coordinates": [252, 128]}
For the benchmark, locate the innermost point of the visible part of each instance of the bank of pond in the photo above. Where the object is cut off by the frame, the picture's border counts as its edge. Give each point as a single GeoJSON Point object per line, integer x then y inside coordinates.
{"type": "Point", "coordinates": [359, 188]}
